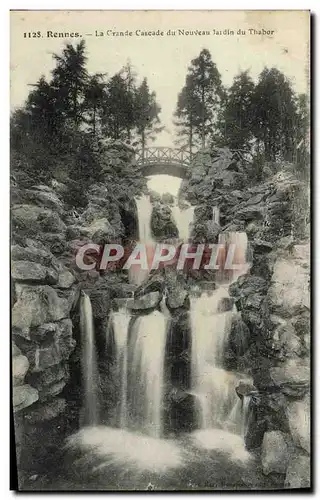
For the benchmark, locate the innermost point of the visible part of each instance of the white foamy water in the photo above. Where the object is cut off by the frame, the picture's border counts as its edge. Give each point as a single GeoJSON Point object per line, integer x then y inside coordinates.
{"type": "Point", "coordinates": [127, 449]}
{"type": "Point", "coordinates": [223, 441]}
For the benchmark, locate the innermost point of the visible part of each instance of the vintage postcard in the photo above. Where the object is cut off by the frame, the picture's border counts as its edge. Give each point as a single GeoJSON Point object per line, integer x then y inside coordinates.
{"type": "Point", "coordinates": [160, 241]}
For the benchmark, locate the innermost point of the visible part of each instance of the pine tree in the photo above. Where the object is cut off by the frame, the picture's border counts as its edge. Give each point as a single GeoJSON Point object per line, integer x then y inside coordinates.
{"type": "Point", "coordinates": [184, 116]}
{"type": "Point", "coordinates": [236, 126]}
{"type": "Point", "coordinates": [274, 115]}
{"type": "Point", "coordinates": [70, 78]}
{"type": "Point", "coordinates": [201, 99]}
{"type": "Point", "coordinates": [93, 101]}
{"type": "Point", "coordinates": [147, 118]}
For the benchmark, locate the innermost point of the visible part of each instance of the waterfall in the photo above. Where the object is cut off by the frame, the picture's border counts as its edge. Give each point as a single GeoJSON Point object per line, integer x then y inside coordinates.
{"type": "Point", "coordinates": [238, 418]}
{"type": "Point", "coordinates": [183, 218]}
{"type": "Point", "coordinates": [238, 252]}
{"type": "Point", "coordinates": [146, 372]}
{"type": "Point", "coordinates": [213, 386]}
{"type": "Point", "coordinates": [144, 210]}
{"type": "Point", "coordinates": [119, 326]}
{"type": "Point", "coordinates": [88, 362]}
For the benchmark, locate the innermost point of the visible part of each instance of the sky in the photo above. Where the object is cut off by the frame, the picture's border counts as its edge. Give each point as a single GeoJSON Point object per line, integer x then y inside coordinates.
{"type": "Point", "coordinates": [162, 59]}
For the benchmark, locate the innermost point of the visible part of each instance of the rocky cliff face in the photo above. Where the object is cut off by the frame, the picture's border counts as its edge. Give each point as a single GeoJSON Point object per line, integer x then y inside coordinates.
{"type": "Point", "coordinates": [46, 282]}
{"type": "Point", "coordinates": [271, 337]}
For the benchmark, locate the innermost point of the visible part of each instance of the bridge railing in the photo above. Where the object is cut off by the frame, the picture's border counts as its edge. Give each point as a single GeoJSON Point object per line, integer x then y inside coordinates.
{"type": "Point", "coordinates": [163, 155]}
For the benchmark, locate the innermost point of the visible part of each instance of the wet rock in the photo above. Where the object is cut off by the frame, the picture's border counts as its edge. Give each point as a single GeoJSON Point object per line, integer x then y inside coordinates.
{"type": "Point", "coordinates": [289, 293]}
{"type": "Point", "coordinates": [101, 302]}
{"type": "Point", "coordinates": [149, 301]}
{"type": "Point", "coordinates": [20, 366]}
{"type": "Point", "coordinates": [31, 271]}
{"type": "Point", "coordinates": [239, 337]}
{"type": "Point", "coordinates": [292, 371]}
{"type": "Point", "coordinates": [262, 247]}
{"type": "Point", "coordinates": [225, 304]}
{"type": "Point", "coordinates": [37, 305]}
{"type": "Point", "coordinates": [49, 376]}
{"type": "Point", "coordinates": [46, 411]}
{"type": "Point", "coordinates": [15, 350]}
{"type": "Point", "coordinates": [50, 391]}
{"type": "Point", "coordinates": [44, 196]}
{"type": "Point", "coordinates": [298, 472]}
{"type": "Point", "coordinates": [23, 396]}
{"type": "Point", "coordinates": [32, 253]}
{"type": "Point", "coordinates": [25, 218]}
{"type": "Point", "coordinates": [162, 223]}
{"type": "Point", "coordinates": [244, 389]}
{"type": "Point", "coordinates": [50, 222]}
{"type": "Point", "coordinates": [274, 453]}
{"type": "Point", "coordinates": [56, 349]}
{"type": "Point", "coordinates": [298, 414]}
{"type": "Point", "coordinates": [65, 279]}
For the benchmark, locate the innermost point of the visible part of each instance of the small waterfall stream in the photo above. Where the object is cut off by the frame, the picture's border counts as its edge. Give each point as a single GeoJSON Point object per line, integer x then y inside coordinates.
{"type": "Point", "coordinates": [213, 386]}
{"type": "Point", "coordinates": [137, 275]}
{"type": "Point", "coordinates": [146, 372]}
{"type": "Point", "coordinates": [119, 326]}
{"type": "Point", "coordinates": [183, 218]}
{"type": "Point", "coordinates": [88, 362]}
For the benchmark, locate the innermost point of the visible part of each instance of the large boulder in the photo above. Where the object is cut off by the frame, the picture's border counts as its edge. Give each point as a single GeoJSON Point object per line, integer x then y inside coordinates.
{"type": "Point", "coordinates": [23, 396]}
{"type": "Point", "coordinates": [35, 306]}
{"type": "Point", "coordinates": [57, 347]}
{"type": "Point", "coordinates": [289, 292]}
{"type": "Point", "coordinates": [298, 414]}
{"type": "Point", "coordinates": [24, 270]}
{"type": "Point", "coordinates": [20, 366]}
{"type": "Point", "coordinates": [274, 453]}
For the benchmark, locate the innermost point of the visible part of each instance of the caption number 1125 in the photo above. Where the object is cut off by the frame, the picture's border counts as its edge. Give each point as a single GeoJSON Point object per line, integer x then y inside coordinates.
{"type": "Point", "coordinates": [32, 34]}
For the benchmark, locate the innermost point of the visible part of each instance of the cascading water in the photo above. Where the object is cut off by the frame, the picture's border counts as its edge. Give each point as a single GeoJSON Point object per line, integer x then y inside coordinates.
{"type": "Point", "coordinates": [213, 386]}
{"type": "Point", "coordinates": [146, 373]}
{"type": "Point", "coordinates": [144, 209]}
{"type": "Point", "coordinates": [88, 362]}
{"type": "Point", "coordinates": [119, 326]}
{"type": "Point", "coordinates": [235, 248]}
{"type": "Point", "coordinates": [183, 219]}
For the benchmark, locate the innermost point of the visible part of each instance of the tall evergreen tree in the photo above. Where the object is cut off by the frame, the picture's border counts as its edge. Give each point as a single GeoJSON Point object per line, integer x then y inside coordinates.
{"type": "Point", "coordinates": [94, 100]}
{"type": "Point", "coordinates": [147, 114]}
{"type": "Point", "coordinates": [201, 99]}
{"type": "Point", "coordinates": [274, 114]}
{"type": "Point", "coordinates": [236, 125]}
{"type": "Point", "coordinates": [185, 115]}
{"type": "Point", "coordinates": [70, 78]}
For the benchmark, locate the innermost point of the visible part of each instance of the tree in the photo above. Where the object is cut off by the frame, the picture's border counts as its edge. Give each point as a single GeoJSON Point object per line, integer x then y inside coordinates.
{"type": "Point", "coordinates": [274, 115]}
{"type": "Point", "coordinates": [202, 97]}
{"type": "Point", "coordinates": [70, 78]}
{"type": "Point", "coordinates": [185, 114]}
{"type": "Point", "coordinates": [129, 76]}
{"type": "Point", "coordinates": [236, 126]}
{"type": "Point", "coordinates": [147, 114]}
{"type": "Point", "coordinates": [93, 100]}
